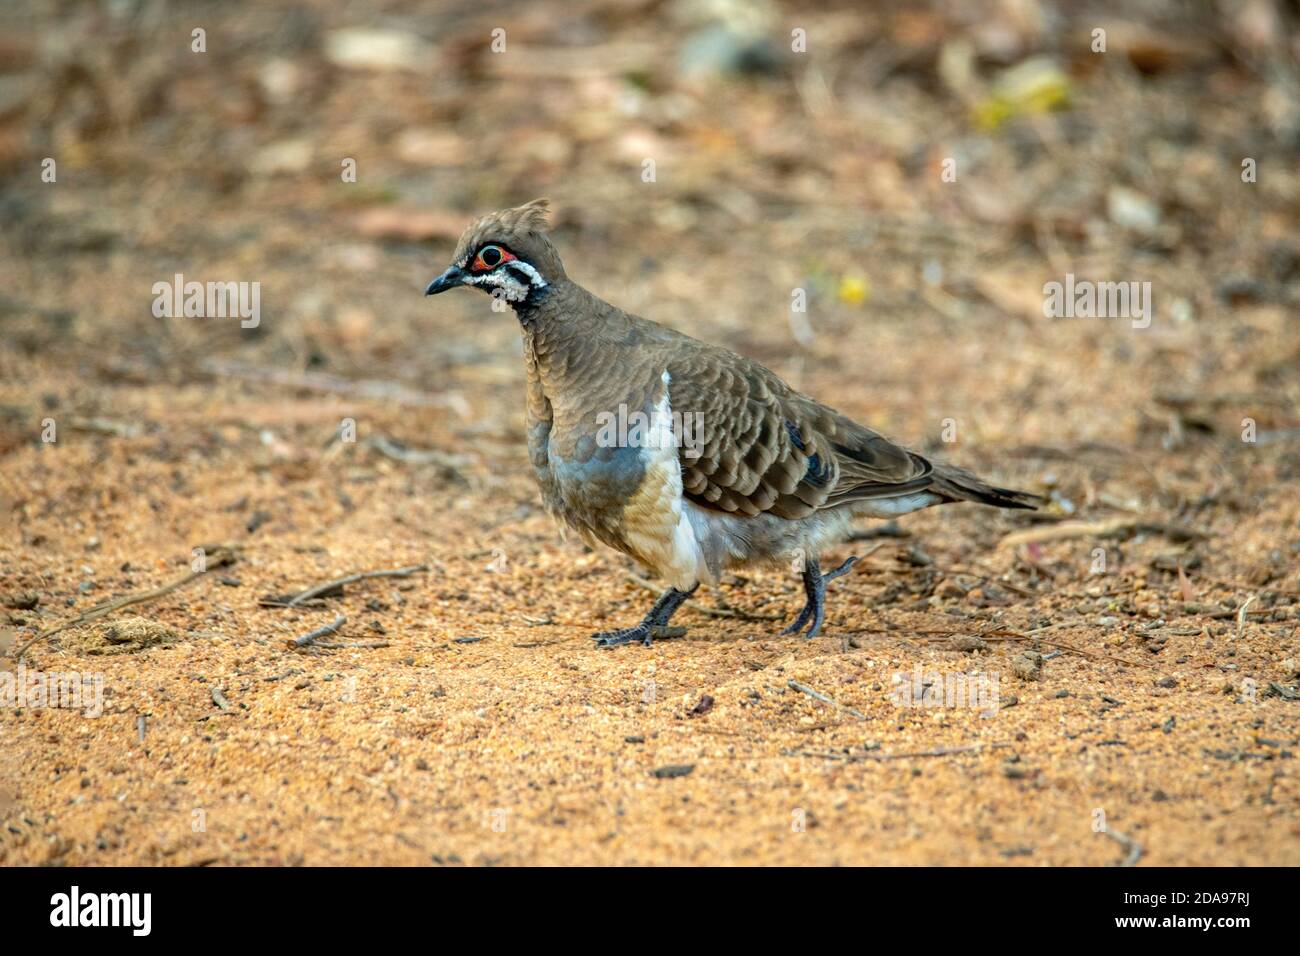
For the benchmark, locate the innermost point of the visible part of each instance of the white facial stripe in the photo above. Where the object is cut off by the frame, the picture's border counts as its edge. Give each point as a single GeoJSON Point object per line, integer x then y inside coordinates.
{"type": "Point", "coordinates": [534, 277]}
{"type": "Point", "coordinates": [509, 287]}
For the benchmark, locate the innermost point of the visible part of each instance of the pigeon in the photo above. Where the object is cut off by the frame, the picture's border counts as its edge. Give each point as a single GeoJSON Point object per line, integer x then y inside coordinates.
{"type": "Point", "coordinates": [685, 456]}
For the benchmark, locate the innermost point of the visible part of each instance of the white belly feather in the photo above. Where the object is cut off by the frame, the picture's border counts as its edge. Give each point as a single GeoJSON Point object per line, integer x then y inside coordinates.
{"type": "Point", "coordinates": [655, 523]}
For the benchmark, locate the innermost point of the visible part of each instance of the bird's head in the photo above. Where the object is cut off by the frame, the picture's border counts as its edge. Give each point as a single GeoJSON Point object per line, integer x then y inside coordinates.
{"type": "Point", "coordinates": [507, 254]}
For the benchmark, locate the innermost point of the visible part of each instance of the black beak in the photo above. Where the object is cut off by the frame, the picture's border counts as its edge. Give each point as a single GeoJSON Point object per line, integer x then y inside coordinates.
{"type": "Point", "coordinates": [453, 277]}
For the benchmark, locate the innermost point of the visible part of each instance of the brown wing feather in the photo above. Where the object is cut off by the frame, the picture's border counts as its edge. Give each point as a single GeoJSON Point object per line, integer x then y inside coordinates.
{"type": "Point", "coordinates": [769, 449]}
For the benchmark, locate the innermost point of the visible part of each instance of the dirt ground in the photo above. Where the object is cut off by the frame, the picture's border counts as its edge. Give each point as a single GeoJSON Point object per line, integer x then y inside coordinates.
{"type": "Point", "coordinates": [1139, 631]}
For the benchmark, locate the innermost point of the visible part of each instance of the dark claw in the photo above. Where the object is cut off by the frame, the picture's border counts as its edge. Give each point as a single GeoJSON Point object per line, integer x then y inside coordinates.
{"type": "Point", "coordinates": [818, 616]}
{"type": "Point", "coordinates": [814, 586]}
{"type": "Point", "coordinates": [799, 621]}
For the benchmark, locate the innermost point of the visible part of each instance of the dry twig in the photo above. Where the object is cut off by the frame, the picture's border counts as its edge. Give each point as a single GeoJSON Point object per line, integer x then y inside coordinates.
{"type": "Point", "coordinates": [1241, 614]}
{"type": "Point", "coordinates": [219, 557]}
{"type": "Point", "coordinates": [416, 456]}
{"type": "Point", "coordinates": [818, 695]}
{"type": "Point", "coordinates": [1118, 527]}
{"type": "Point", "coordinates": [338, 583]}
{"type": "Point", "coordinates": [311, 636]}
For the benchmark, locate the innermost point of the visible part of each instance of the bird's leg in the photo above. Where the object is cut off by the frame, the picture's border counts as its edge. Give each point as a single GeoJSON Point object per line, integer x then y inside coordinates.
{"type": "Point", "coordinates": [659, 616]}
{"type": "Point", "coordinates": [814, 585]}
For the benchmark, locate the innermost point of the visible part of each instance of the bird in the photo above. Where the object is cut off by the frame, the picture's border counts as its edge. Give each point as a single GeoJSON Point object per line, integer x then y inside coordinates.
{"type": "Point", "coordinates": [688, 457]}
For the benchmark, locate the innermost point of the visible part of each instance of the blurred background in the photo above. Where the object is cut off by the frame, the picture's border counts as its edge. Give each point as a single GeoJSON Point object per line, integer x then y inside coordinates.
{"type": "Point", "coordinates": [773, 169]}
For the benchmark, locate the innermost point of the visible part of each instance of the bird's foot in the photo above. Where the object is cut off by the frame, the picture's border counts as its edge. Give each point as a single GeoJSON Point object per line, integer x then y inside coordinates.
{"type": "Point", "coordinates": [797, 624]}
{"type": "Point", "coordinates": [654, 625]}
{"type": "Point", "coordinates": [643, 632]}
{"type": "Point", "coordinates": [814, 585]}
{"type": "Point", "coordinates": [627, 635]}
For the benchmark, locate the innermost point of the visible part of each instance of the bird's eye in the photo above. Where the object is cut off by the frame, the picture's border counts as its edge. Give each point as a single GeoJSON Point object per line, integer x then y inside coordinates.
{"type": "Point", "coordinates": [489, 257]}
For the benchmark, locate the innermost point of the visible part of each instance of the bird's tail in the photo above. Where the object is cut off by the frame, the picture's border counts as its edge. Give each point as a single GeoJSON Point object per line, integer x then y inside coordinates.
{"type": "Point", "coordinates": [957, 484]}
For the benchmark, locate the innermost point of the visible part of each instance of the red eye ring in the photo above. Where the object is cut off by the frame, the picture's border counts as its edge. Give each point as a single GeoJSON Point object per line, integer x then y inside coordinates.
{"type": "Point", "coordinates": [478, 265]}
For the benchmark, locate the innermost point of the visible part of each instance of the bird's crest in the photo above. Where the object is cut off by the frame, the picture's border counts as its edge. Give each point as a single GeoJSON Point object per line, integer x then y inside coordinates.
{"type": "Point", "coordinates": [507, 224]}
{"type": "Point", "coordinates": [522, 228]}
{"type": "Point", "coordinates": [535, 215]}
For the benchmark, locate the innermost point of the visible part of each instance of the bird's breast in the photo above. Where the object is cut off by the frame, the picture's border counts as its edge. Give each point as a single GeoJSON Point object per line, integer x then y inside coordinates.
{"type": "Point", "coordinates": [596, 481]}
{"type": "Point", "coordinates": [628, 496]}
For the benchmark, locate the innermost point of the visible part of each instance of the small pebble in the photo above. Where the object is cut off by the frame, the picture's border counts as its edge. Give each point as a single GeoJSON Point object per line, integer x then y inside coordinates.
{"type": "Point", "coordinates": [673, 770]}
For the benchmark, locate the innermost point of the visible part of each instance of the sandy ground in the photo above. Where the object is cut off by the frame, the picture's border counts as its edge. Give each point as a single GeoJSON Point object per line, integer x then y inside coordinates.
{"type": "Point", "coordinates": [526, 745]}
{"type": "Point", "coordinates": [467, 719]}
